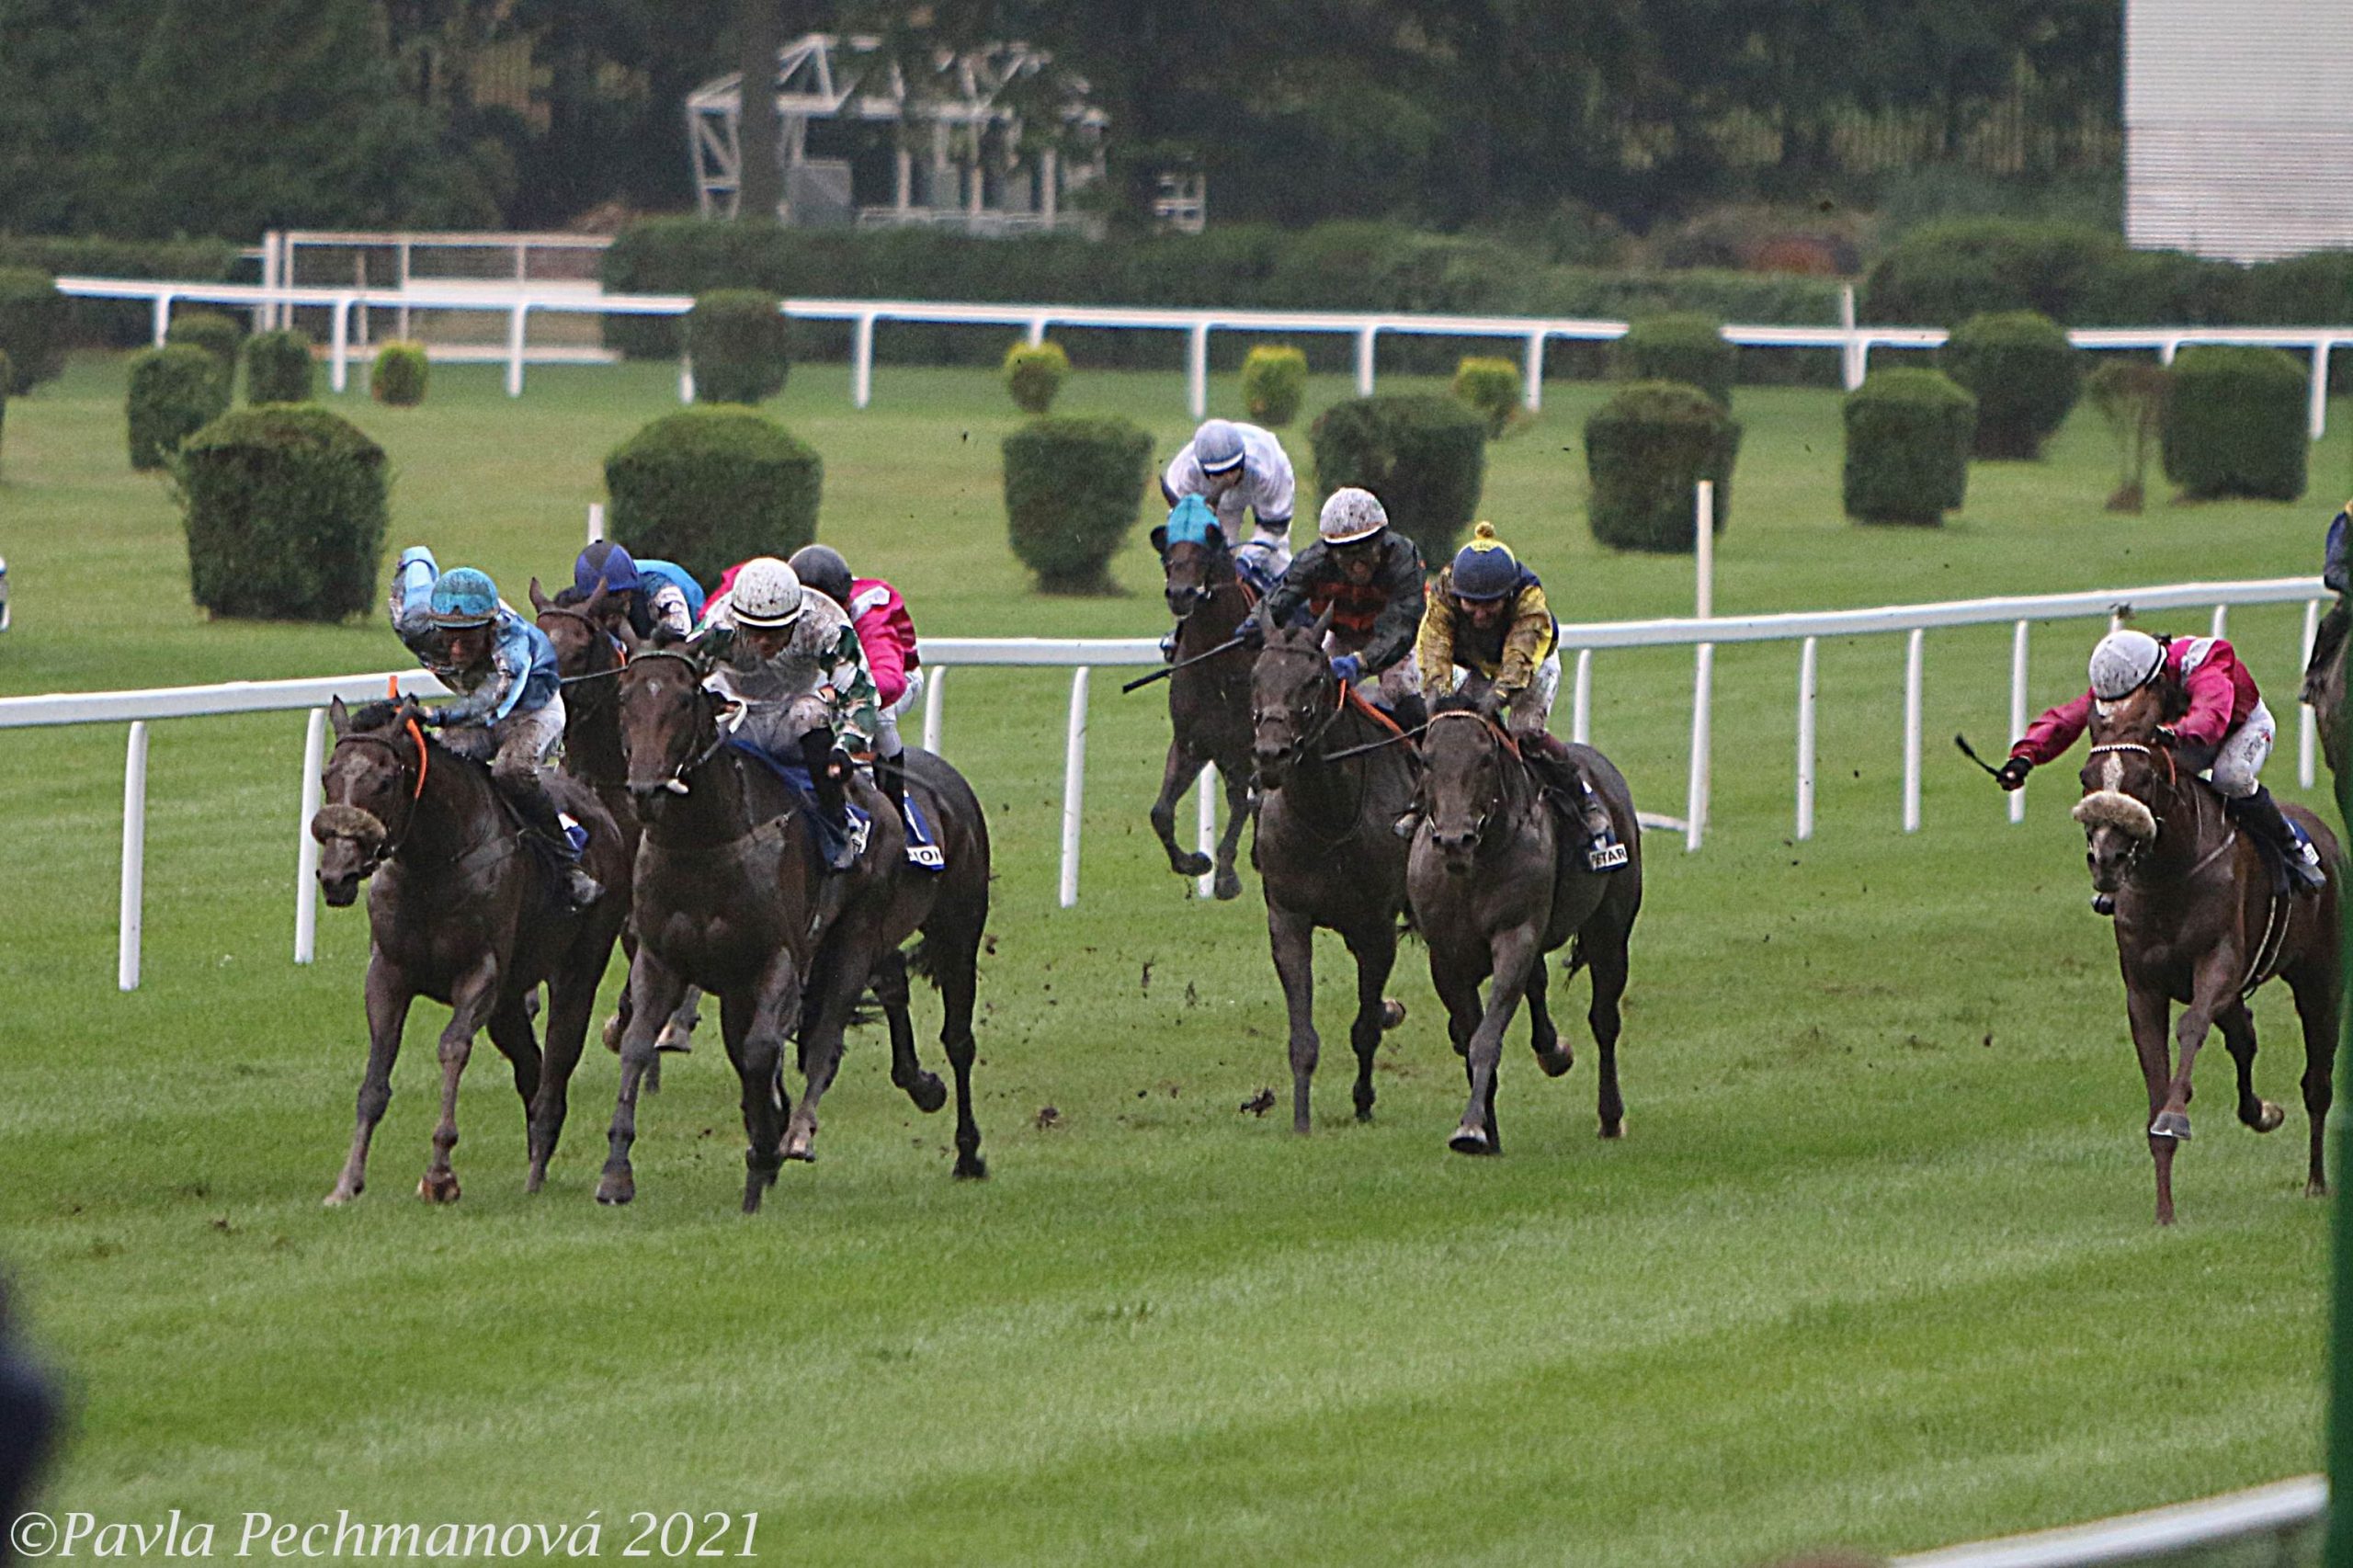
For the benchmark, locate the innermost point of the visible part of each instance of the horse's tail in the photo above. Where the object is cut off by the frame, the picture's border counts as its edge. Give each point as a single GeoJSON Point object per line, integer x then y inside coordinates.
{"type": "Point", "coordinates": [920, 962]}
{"type": "Point", "coordinates": [1575, 960]}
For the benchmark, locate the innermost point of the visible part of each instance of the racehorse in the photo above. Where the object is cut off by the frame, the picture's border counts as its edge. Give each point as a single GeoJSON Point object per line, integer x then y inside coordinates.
{"type": "Point", "coordinates": [2198, 922]}
{"type": "Point", "coordinates": [1209, 702]}
{"type": "Point", "coordinates": [459, 912]}
{"type": "Point", "coordinates": [1326, 850]}
{"type": "Point", "coordinates": [1499, 880]}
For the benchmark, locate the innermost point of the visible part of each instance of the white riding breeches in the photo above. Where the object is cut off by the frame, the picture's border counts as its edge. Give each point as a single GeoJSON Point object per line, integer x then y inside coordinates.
{"type": "Point", "coordinates": [2242, 753]}
{"type": "Point", "coordinates": [886, 729]}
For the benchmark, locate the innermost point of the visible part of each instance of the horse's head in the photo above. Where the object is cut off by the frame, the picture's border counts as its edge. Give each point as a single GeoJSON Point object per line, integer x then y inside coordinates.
{"type": "Point", "coordinates": [1293, 697]}
{"type": "Point", "coordinates": [669, 724]}
{"type": "Point", "coordinates": [2127, 784]}
{"type": "Point", "coordinates": [584, 640]}
{"type": "Point", "coordinates": [372, 784]}
{"type": "Point", "coordinates": [1463, 759]}
{"type": "Point", "coordinates": [1193, 569]}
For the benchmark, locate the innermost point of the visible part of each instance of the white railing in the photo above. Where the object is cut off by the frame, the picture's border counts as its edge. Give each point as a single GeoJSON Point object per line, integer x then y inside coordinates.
{"type": "Point", "coordinates": [1854, 341]}
{"type": "Point", "coordinates": [2280, 1510]}
{"type": "Point", "coordinates": [1082, 656]}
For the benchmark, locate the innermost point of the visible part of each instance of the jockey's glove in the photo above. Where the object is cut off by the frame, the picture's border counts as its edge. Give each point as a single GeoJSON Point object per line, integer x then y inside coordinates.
{"type": "Point", "coordinates": [2163, 735]}
{"type": "Point", "coordinates": [1347, 666]}
{"type": "Point", "coordinates": [2012, 774]}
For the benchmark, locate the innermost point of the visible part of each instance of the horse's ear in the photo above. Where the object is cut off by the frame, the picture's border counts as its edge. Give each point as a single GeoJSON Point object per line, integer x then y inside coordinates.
{"type": "Point", "coordinates": [339, 716]}
{"type": "Point", "coordinates": [1322, 624]}
{"type": "Point", "coordinates": [1160, 541]}
{"type": "Point", "coordinates": [595, 601]}
{"type": "Point", "coordinates": [540, 601]}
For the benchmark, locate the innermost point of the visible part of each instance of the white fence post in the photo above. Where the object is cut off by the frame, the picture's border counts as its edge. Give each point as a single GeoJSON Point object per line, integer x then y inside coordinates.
{"type": "Point", "coordinates": [515, 349]}
{"type": "Point", "coordinates": [1534, 397]}
{"type": "Point", "coordinates": [686, 379]}
{"type": "Point", "coordinates": [1196, 370]}
{"type": "Point", "coordinates": [2222, 626]}
{"type": "Point", "coordinates": [2308, 726]}
{"type": "Point", "coordinates": [935, 681]}
{"type": "Point", "coordinates": [1915, 646]}
{"type": "Point", "coordinates": [306, 848]}
{"type": "Point", "coordinates": [596, 521]}
{"type": "Point", "coordinates": [1851, 353]}
{"type": "Point", "coordinates": [2018, 710]}
{"type": "Point", "coordinates": [2319, 413]}
{"type": "Point", "coordinates": [1806, 673]}
{"type": "Point", "coordinates": [1581, 703]}
{"type": "Point", "coordinates": [273, 246]}
{"type": "Point", "coordinates": [1695, 808]}
{"type": "Point", "coordinates": [1207, 791]}
{"type": "Point", "coordinates": [134, 857]}
{"type": "Point", "coordinates": [1037, 331]}
{"type": "Point", "coordinates": [861, 363]}
{"type": "Point", "coordinates": [1364, 359]}
{"type": "Point", "coordinates": [1073, 784]}
{"type": "Point", "coordinates": [161, 318]}
{"type": "Point", "coordinates": [339, 344]}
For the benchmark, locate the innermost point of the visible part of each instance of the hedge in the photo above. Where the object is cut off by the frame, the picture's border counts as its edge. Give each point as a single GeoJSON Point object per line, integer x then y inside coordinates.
{"type": "Point", "coordinates": [175, 391]}
{"type": "Point", "coordinates": [217, 335]}
{"type": "Point", "coordinates": [399, 375]}
{"type": "Point", "coordinates": [1490, 388]}
{"type": "Point", "coordinates": [1425, 457]}
{"type": "Point", "coordinates": [1034, 374]}
{"type": "Point", "coordinates": [711, 485]}
{"type": "Point", "coordinates": [1909, 438]}
{"type": "Point", "coordinates": [279, 367]}
{"type": "Point", "coordinates": [117, 323]}
{"type": "Point", "coordinates": [740, 345]}
{"type": "Point", "coordinates": [1645, 451]}
{"type": "Point", "coordinates": [286, 508]}
{"type": "Point", "coordinates": [32, 327]}
{"type": "Point", "coordinates": [1685, 347]}
{"type": "Point", "coordinates": [2024, 375]}
{"type": "Point", "coordinates": [2234, 423]}
{"type": "Point", "coordinates": [1072, 486]}
{"type": "Point", "coordinates": [1274, 383]}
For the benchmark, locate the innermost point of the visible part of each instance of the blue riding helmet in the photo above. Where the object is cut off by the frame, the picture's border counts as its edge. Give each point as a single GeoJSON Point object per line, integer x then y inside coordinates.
{"type": "Point", "coordinates": [464, 597]}
{"type": "Point", "coordinates": [1486, 568]}
{"type": "Point", "coordinates": [606, 560]}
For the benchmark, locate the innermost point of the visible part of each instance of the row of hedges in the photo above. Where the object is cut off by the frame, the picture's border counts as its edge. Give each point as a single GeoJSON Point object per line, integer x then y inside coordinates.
{"type": "Point", "coordinates": [116, 324]}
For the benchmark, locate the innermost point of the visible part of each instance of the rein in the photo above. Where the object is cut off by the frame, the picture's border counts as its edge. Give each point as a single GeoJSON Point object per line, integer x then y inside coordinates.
{"type": "Point", "coordinates": [619, 648]}
{"type": "Point", "coordinates": [677, 782]}
{"type": "Point", "coordinates": [391, 846]}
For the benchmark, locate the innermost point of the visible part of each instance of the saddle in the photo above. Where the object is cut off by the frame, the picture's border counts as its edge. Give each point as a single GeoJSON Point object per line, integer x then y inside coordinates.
{"type": "Point", "coordinates": [924, 850]}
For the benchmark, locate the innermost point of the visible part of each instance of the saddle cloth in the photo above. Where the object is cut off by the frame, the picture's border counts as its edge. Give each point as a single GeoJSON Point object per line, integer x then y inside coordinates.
{"type": "Point", "coordinates": [922, 846]}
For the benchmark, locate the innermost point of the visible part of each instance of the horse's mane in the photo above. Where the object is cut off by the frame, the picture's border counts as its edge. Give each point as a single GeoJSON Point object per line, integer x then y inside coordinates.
{"type": "Point", "coordinates": [566, 598]}
{"type": "Point", "coordinates": [377, 715]}
{"type": "Point", "coordinates": [1453, 702]}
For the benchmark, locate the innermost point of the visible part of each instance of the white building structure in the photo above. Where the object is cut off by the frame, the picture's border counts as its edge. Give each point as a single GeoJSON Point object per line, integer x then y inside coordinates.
{"type": "Point", "coordinates": [2238, 126]}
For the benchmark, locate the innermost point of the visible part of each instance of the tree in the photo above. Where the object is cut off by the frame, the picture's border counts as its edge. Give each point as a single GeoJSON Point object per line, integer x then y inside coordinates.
{"type": "Point", "coordinates": [760, 34]}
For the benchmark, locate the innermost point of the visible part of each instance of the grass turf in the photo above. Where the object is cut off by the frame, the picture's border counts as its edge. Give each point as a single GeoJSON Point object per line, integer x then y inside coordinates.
{"type": "Point", "coordinates": [1874, 1266]}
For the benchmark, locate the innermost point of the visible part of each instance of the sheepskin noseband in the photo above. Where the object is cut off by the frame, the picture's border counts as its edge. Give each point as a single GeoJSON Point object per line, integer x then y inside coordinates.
{"type": "Point", "coordinates": [2114, 808]}
{"type": "Point", "coordinates": [349, 822]}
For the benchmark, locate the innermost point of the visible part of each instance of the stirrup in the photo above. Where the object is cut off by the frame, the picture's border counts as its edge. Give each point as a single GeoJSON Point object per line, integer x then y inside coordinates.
{"type": "Point", "coordinates": [2103, 903]}
{"type": "Point", "coordinates": [1407, 825]}
{"type": "Point", "coordinates": [580, 889]}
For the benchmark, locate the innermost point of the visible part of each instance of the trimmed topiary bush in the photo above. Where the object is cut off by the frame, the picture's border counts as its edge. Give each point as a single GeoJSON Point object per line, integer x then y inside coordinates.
{"type": "Point", "coordinates": [1644, 450]}
{"type": "Point", "coordinates": [1683, 347]}
{"type": "Point", "coordinates": [2024, 375]}
{"type": "Point", "coordinates": [1490, 388]}
{"type": "Point", "coordinates": [1909, 438]}
{"type": "Point", "coordinates": [740, 345]}
{"type": "Point", "coordinates": [32, 327]}
{"type": "Point", "coordinates": [285, 509]}
{"type": "Point", "coordinates": [175, 391]}
{"type": "Point", "coordinates": [2234, 424]}
{"type": "Point", "coordinates": [1072, 489]}
{"type": "Point", "coordinates": [398, 378]}
{"type": "Point", "coordinates": [1034, 374]}
{"type": "Point", "coordinates": [1274, 383]}
{"type": "Point", "coordinates": [709, 485]}
{"type": "Point", "coordinates": [278, 368]}
{"type": "Point", "coordinates": [1425, 457]}
{"type": "Point", "coordinates": [217, 335]}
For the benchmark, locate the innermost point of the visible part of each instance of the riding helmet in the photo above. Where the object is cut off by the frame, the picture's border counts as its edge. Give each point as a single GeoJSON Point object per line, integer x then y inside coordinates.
{"type": "Point", "coordinates": [1486, 568]}
{"type": "Point", "coordinates": [821, 566]}
{"type": "Point", "coordinates": [1217, 447]}
{"type": "Point", "coordinates": [2123, 663]}
{"type": "Point", "coordinates": [766, 593]}
{"type": "Point", "coordinates": [606, 560]}
{"type": "Point", "coordinates": [1350, 515]}
{"type": "Point", "coordinates": [464, 597]}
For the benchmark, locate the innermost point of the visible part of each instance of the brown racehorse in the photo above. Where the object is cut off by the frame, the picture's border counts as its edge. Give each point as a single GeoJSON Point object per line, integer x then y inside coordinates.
{"type": "Point", "coordinates": [458, 911]}
{"type": "Point", "coordinates": [2197, 923]}
{"type": "Point", "coordinates": [1499, 880]}
{"type": "Point", "coordinates": [1209, 703]}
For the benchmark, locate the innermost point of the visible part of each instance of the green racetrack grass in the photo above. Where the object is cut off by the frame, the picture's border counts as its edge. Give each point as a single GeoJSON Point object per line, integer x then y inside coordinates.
{"type": "Point", "coordinates": [1874, 1266]}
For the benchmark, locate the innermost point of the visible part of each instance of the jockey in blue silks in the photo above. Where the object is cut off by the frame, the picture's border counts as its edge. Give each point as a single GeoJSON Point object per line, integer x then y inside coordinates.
{"type": "Point", "coordinates": [654, 595]}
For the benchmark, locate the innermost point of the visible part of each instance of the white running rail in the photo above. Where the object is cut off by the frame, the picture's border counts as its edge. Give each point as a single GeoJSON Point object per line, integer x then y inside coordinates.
{"type": "Point", "coordinates": [2160, 1534]}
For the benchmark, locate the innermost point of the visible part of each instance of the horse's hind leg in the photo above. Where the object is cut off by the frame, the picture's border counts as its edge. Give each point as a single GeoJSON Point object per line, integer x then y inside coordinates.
{"type": "Point", "coordinates": [2238, 1036]}
{"type": "Point", "coordinates": [1239, 803]}
{"type": "Point", "coordinates": [2318, 998]}
{"type": "Point", "coordinates": [958, 973]}
{"type": "Point", "coordinates": [510, 1031]}
{"type": "Point", "coordinates": [1551, 1053]}
{"type": "Point", "coordinates": [1176, 778]}
{"type": "Point", "coordinates": [1375, 954]}
{"type": "Point", "coordinates": [891, 989]}
{"type": "Point", "coordinates": [1609, 965]}
{"type": "Point", "coordinates": [388, 999]}
{"type": "Point", "coordinates": [469, 1001]}
{"type": "Point", "coordinates": [1292, 935]}
{"type": "Point", "coordinates": [572, 998]}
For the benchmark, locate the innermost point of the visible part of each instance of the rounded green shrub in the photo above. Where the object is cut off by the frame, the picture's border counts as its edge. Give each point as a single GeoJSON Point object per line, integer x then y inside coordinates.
{"type": "Point", "coordinates": [1942, 274]}
{"type": "Point", "coordinates": [1034, 374]}
{"type": "Point", "coordinates": [2024, 375]}
{"type": "Point", "coordinates": [285, 508]}
{"type": "Point", "coordinates": [1908, 439]}
{"type": "Point", "coordinates": [278, 368]}
{"type": "Point", "coordinates": [710, 485]}
{"type": "Point", "coordinates": [1274, 383]}
{"type": "Point", "coordinates": [2234, 424]}
{"type": "Point", "coordinates": [398, 378]}
{"type": "Point", "coordinates": [32, 327]}
{"type": "Point", "coordinates": [1645, 451]}
{"type": "Point", "coordinates": [217, 335]}
{"type": "Point", "coordinates": [740, 345]}
{"type": "Point", "coordinates": [1490, 388]}
{"type": "Point", "coordinates": [1426, 457]}
{"type": "Point", "coordinates": [1072, 486]}
{"type": "Point", "coordinates": [1682, 347]}
{"type": "Point", "coordinates": [175, 391]}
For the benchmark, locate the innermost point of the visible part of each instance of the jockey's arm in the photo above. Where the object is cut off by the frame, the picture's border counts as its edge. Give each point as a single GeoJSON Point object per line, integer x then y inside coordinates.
{"type": "Point", "coordinates": [670, 610]}
{"type": "Point", "coordinates": [2048, 738]}
{"type": "Point", "coordinates": [884, 659]}
{"type": "Point", "coordinates": [411, 603]}
{"type": "Point", "coordinates": [1401, 618]}
{"type": "Point", "coordinates": [1434, 645]}
{"type": "Point", "coordinates": [488, 701]}
{"type": "Point", "coordinates": [2213, 694]}
{"type": "Point", "coordinates": [1527, 642]}
{"type": "Point", "coordinates": [851, 703]}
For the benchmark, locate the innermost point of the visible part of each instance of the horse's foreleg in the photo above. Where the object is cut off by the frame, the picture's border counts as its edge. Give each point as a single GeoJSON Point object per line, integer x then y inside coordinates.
{"type": "Point", "coordinates": [2212, 990]}
{"type": "Point", "coordinates": [757, 1028]}
{"type": "Point", "coordinates": [2238, 1037]}
{"type": "Point", "coordinates": [1375, 954]}
{"type": "Point", "coordinates": [907, 1073]}
{"type": "Point", "coordinates": [2147, 1008]}
{"type": "Point", "coordinates": [1514, 950]}
{"type": "Point", "coordinates": [388, 999]}
{"type": "Point", "coordinates": [653, 989]}
{"type": "Point", "coordinates": [2318, 996]}
{"type": "Point", "coordinates": [471, 1001]}
{"type": "Point", "coordinates": [1240, 801]}
{"type": "Point", "coordinates": [510, 1031]}
{"type": "Point", "coordinates": [956, 966]}
{"type": "Point", "coordinates": [617, 1026]}
{"type": "Point", "coordinates": [1176, 776]}
{"type": "Point", "coordinates": [1292, 935]}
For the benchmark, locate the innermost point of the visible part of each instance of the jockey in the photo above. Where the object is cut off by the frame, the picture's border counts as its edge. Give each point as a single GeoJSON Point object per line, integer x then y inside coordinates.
{"type": "Point", "coordinates": [2226, 718]}
{"type": "Point", "coordinates": [789, 656]}
{"type": "Point", "coordinates": [510, 711]}
{"type": "Point", "coordinates": [1489, 635]}
{"type": "Point", "coordinates": [887, 634]}
{"type": "Point", "coordinates": [1239, 467]}
{"type": "Point", "coordinates": [2336, 576]}
{"type": "Point", "coordinates": [1369, 577]}
{"type": "Point", "coordinates": [654, 595]}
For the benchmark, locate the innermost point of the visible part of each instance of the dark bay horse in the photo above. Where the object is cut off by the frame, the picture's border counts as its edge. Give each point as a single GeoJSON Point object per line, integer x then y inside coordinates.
{"type": "Point", "coordinates": [1499, 880]}
{"type": "Point", "coordinates": [458, 911]}
{"type": "Point", "coordinates": [1209, 703]}
{"type": "Point", "coordinates": [2196, 924]}
{"type": "Point", "coordinates": [1327, 849]}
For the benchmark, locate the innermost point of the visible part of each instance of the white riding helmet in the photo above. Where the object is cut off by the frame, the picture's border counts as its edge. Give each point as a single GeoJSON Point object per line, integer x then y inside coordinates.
{"type": "Point", "coordinates": [1217, 447]}
{"type": "Point", "coordinates": [2123, 663]}
{"type": "Point", "coordinates": [1350, 514]}
{"type": "Point", "coordinates": [765, 592]}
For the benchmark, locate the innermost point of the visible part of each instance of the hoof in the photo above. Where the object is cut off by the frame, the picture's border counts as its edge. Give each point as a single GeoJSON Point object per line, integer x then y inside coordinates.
{"type": "Point", "coordinates": [927, 1093]}
{"type": "Point", "coordinates": [754, 1191]}
{"type": "Point", "coordinates": [437, 1189]}
{"type": "Point", "coordinates": [536, 1179]}
{"type": "Point", "coordinates": [674, 1037]}
{"type": "Point", "coordinates": [613, 1028]}
{"type": "Point", "coordinates": [1193, 865]}
{"type": "Point", "coordinates": [2172, 1124]}
{"type": "Point", "coordinates": [972, 1167]}
{"type": "Point", "coordinates": [1469, 1138]}
{"type": "Point", "coordinates": [796, 1146]}
{"type": "Point", "coordinates": [1227, 885]}
{"type": "Point", "coordinates": [1393, 1013]}
{"type": "Point", "coordinates": [2268, 1119]}
{"type": "Point", "coordinates": [1613, 1129]}
{"type": "Point", "coordinates": [1556, 1061]}
{"type": "Point", "coordinates": [2316, 1189]}
{"type": "Point", "coordinates": [616, 1189]}
{"type": "Point", "coordinates": [339, 1198]}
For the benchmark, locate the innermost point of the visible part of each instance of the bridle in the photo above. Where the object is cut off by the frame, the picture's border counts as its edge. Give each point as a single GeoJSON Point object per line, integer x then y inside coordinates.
{"type": "Point", "coordinates": [2172, 779]}
{"type": "Point", "coordinates": [1203, 594]}
{"type": "Point", "coordinates": [677, 782]}
{"type": "Point", "coordinates": [596, 631]}
{"type": "Point", "coordinates": [1331, 713]}
{"type": "Point", "coordinates": [390, 845]}
{"type": "Point", "coordinates": [1503, 743]}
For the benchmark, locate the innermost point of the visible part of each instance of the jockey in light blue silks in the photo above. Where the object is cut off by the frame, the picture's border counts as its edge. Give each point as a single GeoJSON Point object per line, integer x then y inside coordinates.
{"type": "Point", "coordinates": [509, 709]}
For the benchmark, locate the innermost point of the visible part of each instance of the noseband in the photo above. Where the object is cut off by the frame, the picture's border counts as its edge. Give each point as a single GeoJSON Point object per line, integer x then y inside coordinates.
{"type": "Point", "coordinates": [2138, 845]}
{"type": "Point", "coordinates": [390, 845]}
{"type": "Point", "coordinates": [677, 782]}
{"type": "Point", "coordinates": [1307, 740]}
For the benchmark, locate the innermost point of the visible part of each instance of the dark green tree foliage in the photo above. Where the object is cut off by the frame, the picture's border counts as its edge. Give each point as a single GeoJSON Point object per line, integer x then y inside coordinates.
{"type": "Point", "coordinates": [2024, 375]}
{"type": "Point", "coordinates": [32, 328]}
{"type": "Point", "coordinates": [1683, 347]}
{"type": "Point", "coordinates": [278, 368]}
{"type": "Point", "coordinates": [399, 375]}
{"type": "Point", "coordinates": [1908, 436]}
{"type": "Point", "coordinates": [1072, 486]}
{"type": "Point", "coordinates": [1645, 451]}
{"type": "Point", "coordinates": [2234, 424]}
{"type": "Point", "coordinates": [286, 509]}
{"type": "Point", "coordinates": [217, 335]}
{"type": "Point", "coordinates": [709, 485]}
{"type": "Point", "coordinates": [175, 391]}
{"type": "Point", "coordinates": [1425, 457]}
{"type": "Point", "coordinates": [1274, 384]}
{"type": "Point", "coordinates": [741, 346]}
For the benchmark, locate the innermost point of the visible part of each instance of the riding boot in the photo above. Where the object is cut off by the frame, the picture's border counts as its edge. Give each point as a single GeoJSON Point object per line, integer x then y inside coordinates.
{"type": "Point", "coordinates": [530, 793]}
{"type": "Point", "coordinates": [2260, 815]}
{"type": "Point", "coordinates": [1603, 852]}
{"type": "Point", "coordinates": [833, 800]}
{"type": "Point", "coordinates": [891, 778]}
